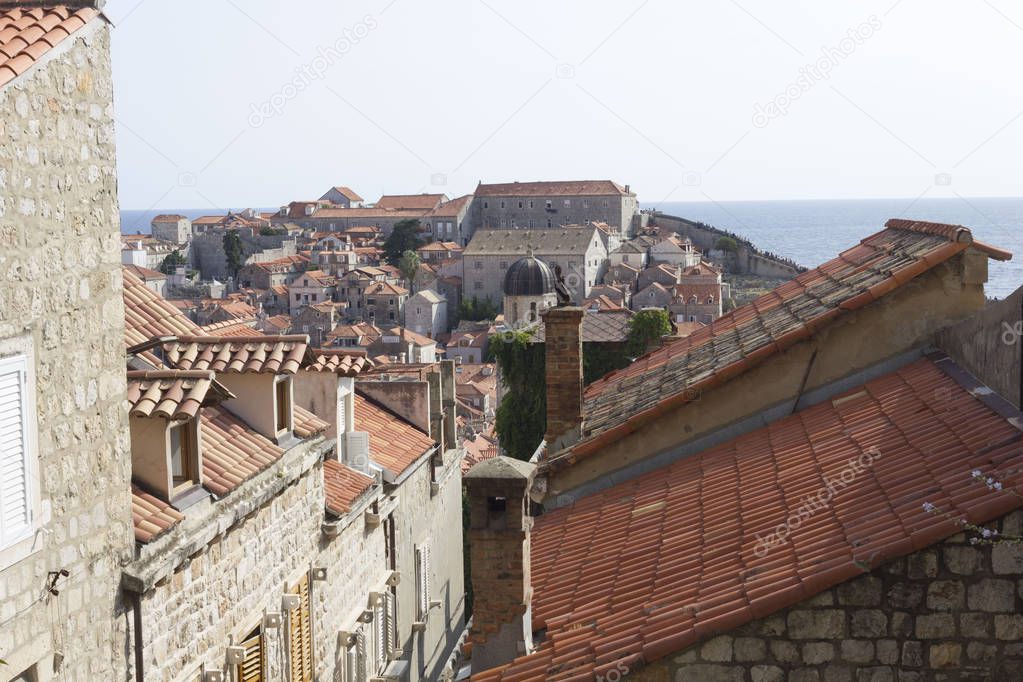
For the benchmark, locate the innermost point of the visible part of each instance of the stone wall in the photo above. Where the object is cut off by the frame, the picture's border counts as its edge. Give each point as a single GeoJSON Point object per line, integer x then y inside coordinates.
{"type": "Point", "coordinates": [206, 251]}
{"type": "Point", "coordinates": [951, 612]}
{"type": "Point", "coordinates": [748, 260]}
{"type": "Point", "coordinates": [990, 346]}
{"type": "Point", "coordinates": [216, 597]}
{"type": "Point", "coordinates": [60, 302]}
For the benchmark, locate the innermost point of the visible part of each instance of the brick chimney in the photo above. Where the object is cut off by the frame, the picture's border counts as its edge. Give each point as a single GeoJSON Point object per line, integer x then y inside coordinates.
{"type": "Point", "coordinates": [564, 358]}
{"type": "Point", "coordinates": [499, 526]}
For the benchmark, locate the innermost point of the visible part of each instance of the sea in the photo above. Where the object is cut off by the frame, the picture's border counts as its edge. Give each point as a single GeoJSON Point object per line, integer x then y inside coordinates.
{"type": "Point", "coordinates": [813, 231]}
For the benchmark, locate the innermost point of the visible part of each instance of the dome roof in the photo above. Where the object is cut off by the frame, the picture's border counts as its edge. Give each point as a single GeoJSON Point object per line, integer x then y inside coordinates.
{"type": "Point", "coordinates": [529, 277]}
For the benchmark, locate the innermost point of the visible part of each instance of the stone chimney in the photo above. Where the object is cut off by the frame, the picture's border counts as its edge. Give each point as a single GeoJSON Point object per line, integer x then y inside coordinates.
{"type": "Point", "coordinates": [564, 359]}
{"type": "Point", "coordinates": [499, 527]}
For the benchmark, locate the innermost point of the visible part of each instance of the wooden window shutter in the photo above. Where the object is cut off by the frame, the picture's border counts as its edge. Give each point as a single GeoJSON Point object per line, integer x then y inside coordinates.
{"type": "Point", "coordinates": [300, 634]}
{"type": "Point", "coordinates": [15, 484]}
{"type": "Point", "coordinates": [251, 669]}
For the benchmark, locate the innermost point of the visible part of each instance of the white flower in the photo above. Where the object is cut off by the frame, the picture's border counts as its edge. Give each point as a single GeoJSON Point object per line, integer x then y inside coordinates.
{"type": "Point", "coordinates": [986, 532]}
{"type": "Point", "coordinates": [928, 507]}
{"type": "Point", "coordinates": [976, 473]}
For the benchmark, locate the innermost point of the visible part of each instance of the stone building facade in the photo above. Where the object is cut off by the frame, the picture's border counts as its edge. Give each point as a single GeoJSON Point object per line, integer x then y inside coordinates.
{"type": "Point", "coordinates": [61, 317]}
{"type": "Point", "coordinates": [172, 228]}
{"type": "Point", "coordinates": [579, 251]}
{"type": "Point", "coordinates": [953, 611]}
{"type": "Point", "coordinates": [550, 205]}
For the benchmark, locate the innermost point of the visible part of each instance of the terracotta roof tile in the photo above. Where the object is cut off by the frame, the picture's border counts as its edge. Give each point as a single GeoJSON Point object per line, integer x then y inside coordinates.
{"type": "Point", "coordinates": [232, 451]}
{"type": "Point", "coordinates": [257, 354]}
{"type": "Point", "coordinates": [27, 34]}
{"type": "Point", "coordinates": [151, 516]}
{"type": "Point", "coordinates": [232, 328]}
{"type": "Point", "coordinates": [393, 442]}
{"type": "Point", "coordinates": [410, 201]}
{"type": "Point", "coordinates": [147, 314]}
{"type": "Point", "coordinates": [347, 193]}
{"type": "Point", "coordinates": [679, 549]}
{"type": "Point", "coordinates": [343, 486]}
{"type": "Point", "coordinates": [306, 424]}
{"type": "Point", "coordinates": [665, 378]}
{"type": "Point", "coordinates": [343, 362]}
{"type": "Point", "coordinates": [172, 394]}
{"type": "Point", "coordinates": [557, 188]}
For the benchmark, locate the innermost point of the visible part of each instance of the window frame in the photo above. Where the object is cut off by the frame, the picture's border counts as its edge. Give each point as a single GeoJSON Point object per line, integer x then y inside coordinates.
{"type": "Point", "coordinates": [17, 355]}
{"type": "Point", "coordinates": [188, 442]}
{"type": "Point", "coordinates": [288, 403]}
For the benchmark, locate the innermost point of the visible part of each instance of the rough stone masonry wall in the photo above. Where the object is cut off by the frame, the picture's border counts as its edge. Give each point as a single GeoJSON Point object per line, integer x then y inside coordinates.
{"type": "Point", "coordinates": [60, 292]}
{"type": "Point", "coordinates": [950, 612]}
{"type": "Point", "coordinates": [217, 597]}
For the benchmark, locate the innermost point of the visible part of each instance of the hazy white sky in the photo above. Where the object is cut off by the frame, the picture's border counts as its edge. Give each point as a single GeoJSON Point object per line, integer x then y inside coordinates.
{"type": "Point", "coordinates": [230, 103]}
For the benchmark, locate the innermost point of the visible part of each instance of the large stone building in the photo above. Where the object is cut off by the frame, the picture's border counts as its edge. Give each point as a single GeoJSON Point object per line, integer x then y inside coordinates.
{"type": "Point", "coordinates": [579, 251]}
{"type": "Point", "coordinates": [806, 490]}
{"type": "Point", "coordinates": [65, 513]}
{"type": "Point", "coordinates": [172, 228]}
{"type": "Point", "coordinates": [550, 205]}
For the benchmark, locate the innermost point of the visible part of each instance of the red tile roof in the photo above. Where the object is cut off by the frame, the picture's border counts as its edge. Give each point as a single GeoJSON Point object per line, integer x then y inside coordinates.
{"type": "Point", "coordinates": [668, 377]}
{"type": "Point", "coordinates": [28, 32]}
{"type": "Point", "coordinates": [231, 328]}
{"type": "Point", "coordinates": [151, 516]}
{"type": "Point", "coordinates": [410, 201]}
{"type": "Point", "coordinates": [172, 394]}
{"type": "Point", "coordinates": [148, 315]}
{"type": "Point", "coordinates": [306, 424]}
{"type": "Point", "coordinates": [343, 362]}
{"type": "Point", "coordinates": [654, 565]}
{"type": "Point", "coordinates": [347, 193]}
{"type": "Point", "coordinates": [563, 188]}
{"type": "Point", "coordinates": [393, 442]}
{"type": "Point", "coordinates": [257, 354]}
{"type": "Point", "coordinates": [343, 486]}
{"type": "Point", "coordinates": [232, 452]}
{"type": "Point", "coordinates": [145, 273]}
{"type": "Point", "coordinates": [451, 209]}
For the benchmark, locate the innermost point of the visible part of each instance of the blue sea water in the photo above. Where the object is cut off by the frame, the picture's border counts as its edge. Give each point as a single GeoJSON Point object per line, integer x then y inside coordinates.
{"type": "Point", "coordinates": [813, 231]}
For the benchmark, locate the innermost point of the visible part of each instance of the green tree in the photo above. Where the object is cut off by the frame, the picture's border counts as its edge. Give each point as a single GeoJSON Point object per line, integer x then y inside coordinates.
{"type": "Point", "coordinates": [233, 252]}
{"type": "Point", "coordinates": [404, 237]}
{"type": "Point", "coordinates": [171, 262]}
{"type": "Point", "coordinates": [521, 418]}
{"type": "Point", "coordinates": [726, 244]}
{"type": "Point", "coordinates": [474, 310]}
{"type": "Point", "coordinates": [645, 328]}
{"type": "Point", "coordinates": [409, 266]}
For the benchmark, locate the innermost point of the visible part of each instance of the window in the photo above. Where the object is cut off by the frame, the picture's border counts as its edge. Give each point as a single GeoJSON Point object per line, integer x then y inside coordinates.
{"type": "Point", "coordinates": [184, 455]}
{"type": "Point", "coordinates": [520, 204]}
{"type": "Point", "coordinates": [282, 404]}
{"type": "Point", "coordinates": [371, 301]}
{"type": "Point", "coordinates": [549, 204]}
{"type": "Point", "coordinates": [531, 203]}
{"type": "Point", "coordinates": [568, 203]}
{"type": "Point", "coordinates": [390, 316]}
{"type": "Point", "coordinates": [314, 298]}
{"type": "Point", "coordinates": [300, 645]}
{"type": "Point", "coordinates": [486, 204]}
{"type": "Point", "coordinates": [298, 297]}
{"type": "Point", "coordinates": [549, 223]}
{"type": "Point", "coordinates": [503, 265]}
{"type": "Point", "coordinates": [17, 456]}
{"type": "Point", "coordinates": [477, 285]}
{"type": "Point", "coordinates": [252, 668]}
{"type": "Point", "coordinates": [422, 582]}
{"type": "Point", "coordinates": [502, 203]}
{"type": "Point", "coordinates": [586, 204]}
{"type": "Point", "coordinates": [355, 658]}
{"type": "Point", "coordinates": [419, 311]}
{"type": "Point", "coordinates": [532, 223]}
{"type": "Point", "coordinates": [478, 265]}
{"type": "Point", "coordinates": [605, 203]}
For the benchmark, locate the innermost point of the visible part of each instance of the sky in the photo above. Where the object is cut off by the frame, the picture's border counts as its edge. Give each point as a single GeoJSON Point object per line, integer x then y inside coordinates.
{"type": "Point", "coordinates": [233, 103]}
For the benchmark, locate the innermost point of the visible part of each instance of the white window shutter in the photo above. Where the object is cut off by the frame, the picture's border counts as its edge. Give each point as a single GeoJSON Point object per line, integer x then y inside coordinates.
{"type": "Point", "coordinates": [380, 621]}
{"type": "Point", "coordinates": [15, 490]}
{"type": "Point", "coordinates": [423, 580]}
{"type": "Point", "coordinates": [351, 664]}
{"type": "Point", "coordinates": [360, 648]}
{"type": "Point", "coordinates": [392, 616]}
